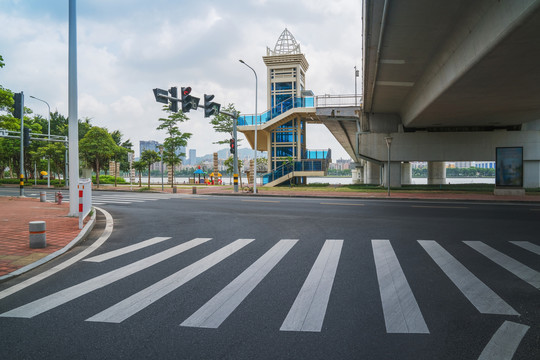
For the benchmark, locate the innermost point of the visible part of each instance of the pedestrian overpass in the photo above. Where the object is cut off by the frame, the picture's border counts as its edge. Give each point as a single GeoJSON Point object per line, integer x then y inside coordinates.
{"type": "Point", "coordinates": [339, 113]}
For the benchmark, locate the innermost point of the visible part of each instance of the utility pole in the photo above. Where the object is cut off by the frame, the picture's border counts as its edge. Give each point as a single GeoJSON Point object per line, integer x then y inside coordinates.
{"type": "Point", "coordinates": [73, 127]}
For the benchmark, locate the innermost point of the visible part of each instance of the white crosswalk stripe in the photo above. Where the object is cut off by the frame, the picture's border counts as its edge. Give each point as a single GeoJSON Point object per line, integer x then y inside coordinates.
{"type": "Point", "coordinates": [127, 198]}
{"type": "Point", "coordinates": [401, 311]}
{"type": "Point", "coordinates": [127, 249]}
{"type": "Point", "coordinates": [309, 308]}
{"type": "Point", "coordinates": [400, 308]}
{"type": "Point", "coordinates": [151, 294]}
{"type": "Point", "coordinates": [523, 272]}
{"type": "Point", "coordinates": [478, 293]}
{"type": "Point", "coordinates": [50, 302]}
{"type": "Point", "coordinates": [215, 311]}
{"type": "Point", "coordinates": [527, 246]}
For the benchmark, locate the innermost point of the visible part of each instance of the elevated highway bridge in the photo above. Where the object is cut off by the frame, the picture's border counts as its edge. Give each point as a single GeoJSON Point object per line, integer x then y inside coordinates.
{"type": "Point", "coordinates": [450, 81]}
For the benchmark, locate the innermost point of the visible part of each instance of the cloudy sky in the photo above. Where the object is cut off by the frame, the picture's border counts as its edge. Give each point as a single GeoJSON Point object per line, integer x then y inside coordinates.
{"type": "Point", "coordinates": [128, 47]}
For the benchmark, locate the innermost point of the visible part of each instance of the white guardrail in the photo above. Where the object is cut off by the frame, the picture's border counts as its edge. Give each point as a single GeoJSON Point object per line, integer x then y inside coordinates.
{"type": "Point", "coordinates": [85, 199]}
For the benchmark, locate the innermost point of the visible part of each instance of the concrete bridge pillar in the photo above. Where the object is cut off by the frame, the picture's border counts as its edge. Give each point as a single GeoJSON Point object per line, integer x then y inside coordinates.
{"type": "Point", "coordinates": [357, 170]}
{"type": "Point", "coordinates": [436, 172]}
{"type": "Point", "coordinates": [406, 173]}
{"type": "Point", "coordinates": [373, 173]}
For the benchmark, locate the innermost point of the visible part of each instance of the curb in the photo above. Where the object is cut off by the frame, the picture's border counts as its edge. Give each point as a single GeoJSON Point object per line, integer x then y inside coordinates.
{"type": "Point", "coordinates": [83, 234]}
{"type": "Point", "coordinates": [311, 196]}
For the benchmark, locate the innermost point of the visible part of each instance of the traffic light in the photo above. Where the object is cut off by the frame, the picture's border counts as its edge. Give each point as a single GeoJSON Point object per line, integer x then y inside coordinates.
{"type": "Point", "coordinates": [174, 103]}
{"type": "Point", "coordinates": [18, 107]}
{"type": "Point", "coordinates": [189, 102]}
{"type": "Point", "coordinates": [232, 145]}
{"type": "Point", "coordinates": [26, 137]}
{"type": "Point", "coordinates": [210, 107]}
{"type": "Point", "coordinates": [186, 99]}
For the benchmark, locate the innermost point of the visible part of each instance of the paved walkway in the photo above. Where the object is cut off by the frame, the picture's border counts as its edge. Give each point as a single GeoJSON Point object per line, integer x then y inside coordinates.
{"type": "Point", "coordinates": [16, 213]}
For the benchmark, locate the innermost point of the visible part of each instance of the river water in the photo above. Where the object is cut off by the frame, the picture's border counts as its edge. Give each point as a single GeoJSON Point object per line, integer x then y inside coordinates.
{"type": "Point", "coordinates": [329, 180]}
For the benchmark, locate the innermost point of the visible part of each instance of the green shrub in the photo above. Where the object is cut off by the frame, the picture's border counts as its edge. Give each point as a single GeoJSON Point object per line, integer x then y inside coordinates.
{"type": "Point", "coordinates": [108, 179]}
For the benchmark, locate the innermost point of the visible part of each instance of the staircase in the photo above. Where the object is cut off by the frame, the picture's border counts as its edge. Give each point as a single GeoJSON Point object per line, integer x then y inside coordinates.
{"type": "Point", "coordinates": [316, 164]}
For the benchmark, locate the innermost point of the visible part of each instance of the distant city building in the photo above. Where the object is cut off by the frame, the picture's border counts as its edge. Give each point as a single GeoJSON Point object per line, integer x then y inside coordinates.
{"type": "Point", "coordinates": [148, 145]}
{"type": "Point", "coordinates": [485, 164]}
{"type": "Point", "coordinates": [464, 164]}
{"type": "Point", "coordinates": [192, 156]}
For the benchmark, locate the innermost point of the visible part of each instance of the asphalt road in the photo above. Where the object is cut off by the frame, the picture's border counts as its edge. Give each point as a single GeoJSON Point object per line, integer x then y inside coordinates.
{"type": "Point", "coordinates": [240, 277]}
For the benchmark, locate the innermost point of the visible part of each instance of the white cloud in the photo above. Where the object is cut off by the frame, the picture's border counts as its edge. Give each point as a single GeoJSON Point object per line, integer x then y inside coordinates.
{"type": "Point", "coordinates": [127, 48]}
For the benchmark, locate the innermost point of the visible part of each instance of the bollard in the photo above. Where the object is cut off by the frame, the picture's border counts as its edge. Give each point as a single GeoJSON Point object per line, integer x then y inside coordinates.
{"type": "Point", "coordinates": [174, 189]}
{"type": "Point", "coordinates": [194, 190]}
{"type": "Point", "coordinates": [38, 238]}
{"type": "Point", "coordinates": [42, 196]}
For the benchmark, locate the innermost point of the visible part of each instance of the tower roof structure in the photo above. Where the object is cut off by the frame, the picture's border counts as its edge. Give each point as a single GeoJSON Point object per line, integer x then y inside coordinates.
{"type": "Point", "coordinates": [285, 45]}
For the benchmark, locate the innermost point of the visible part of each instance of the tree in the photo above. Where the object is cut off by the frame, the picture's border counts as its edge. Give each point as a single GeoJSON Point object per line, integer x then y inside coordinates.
{"type": "Point", "coordinates": [121, 151]}
{"type": "Point", "coordinates": [224, 124]}
{"type": "Point", "coordinates": [229, 163]}
{"type": "Point", "coordinates": [139, 166]}
{"type": "Point", "coordinates": [175, 139]}
{"type": "Point", "coordinates": [96, 148]}
{"type": "Point", "coordinates": [149, 157]}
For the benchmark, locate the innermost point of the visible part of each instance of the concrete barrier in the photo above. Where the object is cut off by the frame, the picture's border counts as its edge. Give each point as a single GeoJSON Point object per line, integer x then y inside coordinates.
{"type": "Point", "coordinates": [38, 237]}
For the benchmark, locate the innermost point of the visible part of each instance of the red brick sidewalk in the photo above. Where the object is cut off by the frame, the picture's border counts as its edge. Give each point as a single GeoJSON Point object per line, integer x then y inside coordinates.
{"type": "Point", "coordinates": [15, 214]}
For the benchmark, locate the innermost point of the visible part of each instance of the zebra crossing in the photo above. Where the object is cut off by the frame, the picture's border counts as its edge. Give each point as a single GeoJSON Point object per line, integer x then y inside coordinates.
{"type": "Point", "coordinates": [116, 198]}
{"type": "Point", "coordinates": [401, 311]}
{"type": "Point", "coordinates": [126, 198]}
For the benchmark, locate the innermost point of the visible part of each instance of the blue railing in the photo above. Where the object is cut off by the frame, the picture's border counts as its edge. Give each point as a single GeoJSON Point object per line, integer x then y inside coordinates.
{"type": "Point", "coordinates": [284, 106]}
{"type": "Point", "coordinates": [315, 160]}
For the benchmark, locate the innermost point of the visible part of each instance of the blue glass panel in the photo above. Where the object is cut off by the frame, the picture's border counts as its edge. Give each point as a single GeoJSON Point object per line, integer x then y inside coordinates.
{"type": "Point", "coordinates": [283, 86]}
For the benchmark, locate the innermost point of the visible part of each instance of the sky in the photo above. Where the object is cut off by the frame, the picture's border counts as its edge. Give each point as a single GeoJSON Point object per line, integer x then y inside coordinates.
{"type": "Point", "coordinates": [126, 48]}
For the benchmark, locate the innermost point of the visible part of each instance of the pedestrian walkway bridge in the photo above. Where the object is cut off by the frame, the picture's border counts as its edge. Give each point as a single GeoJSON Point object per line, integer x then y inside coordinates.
{"type": "Point", "coordinates": [338, 112]}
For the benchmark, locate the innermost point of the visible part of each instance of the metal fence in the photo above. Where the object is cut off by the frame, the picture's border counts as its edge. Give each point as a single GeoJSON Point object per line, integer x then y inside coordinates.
{"type": "Point", "coordinates": [338, 100]}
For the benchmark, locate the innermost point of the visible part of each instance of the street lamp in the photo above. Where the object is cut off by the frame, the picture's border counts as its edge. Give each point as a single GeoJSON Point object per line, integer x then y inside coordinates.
{"type": "Point", "coordinates": [161, 152]}
{"type": "Point", "coordinates": [256, 116]}
{"type": "Point", "coordinates": [356, 74]}
{"type": "Point", "coordinates": [48, 140]}
{"type": "Point", "coordinates": [388, 143]}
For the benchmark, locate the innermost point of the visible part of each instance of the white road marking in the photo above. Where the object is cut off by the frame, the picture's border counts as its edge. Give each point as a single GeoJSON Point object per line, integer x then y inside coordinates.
{"type": "Point", "coordinates": [217, 309]}
{"type": "Point", "coordinates": [523, 272]}
{"type": "Point", "coordinates": [139, 301]}
{"type": "Point", "coordinates": [401, 311]}
{"type": "Point", "coordinates": [528, 246]}
{"type": "Point", "coordinates": [127, 249]}
{"type": "Point", "coordinates": [504, 342]}
{"type": "Point", "coordinates": [61, 297]}
{"type": "Point", "coordinates": [478, 293]}
{"type": "Point", "coordinates": [439, 207]}
{"type": "Point", "coordinates": [308, 310]}
{"type": "Point", "coordinates": [344, 204]}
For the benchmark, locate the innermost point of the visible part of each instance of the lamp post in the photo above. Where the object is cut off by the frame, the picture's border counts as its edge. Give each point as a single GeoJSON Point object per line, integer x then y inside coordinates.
{"type": "Point", "coordinates": [388, 143]}
{"type": "Point", "coordinates": [356, 74]}
{"type": "Point", "coordinates": [161, 152]}
{"type": "Point", "coordinates": [48, 140]}
{"type": "Point", "coordinates": [256, 120]}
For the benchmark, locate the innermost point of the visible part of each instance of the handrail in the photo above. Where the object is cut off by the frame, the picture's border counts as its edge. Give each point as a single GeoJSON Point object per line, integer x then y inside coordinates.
{"type": "Point", "coordinates": [282, 107]}
{"type": "Point", "coordinates": [319, 101]}
{"type": "Point", "coordinates": [307, 164]}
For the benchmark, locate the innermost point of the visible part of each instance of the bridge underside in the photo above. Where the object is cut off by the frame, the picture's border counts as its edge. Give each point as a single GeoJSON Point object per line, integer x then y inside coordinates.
{"type": "Point", "coordinates": [449, 81]}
